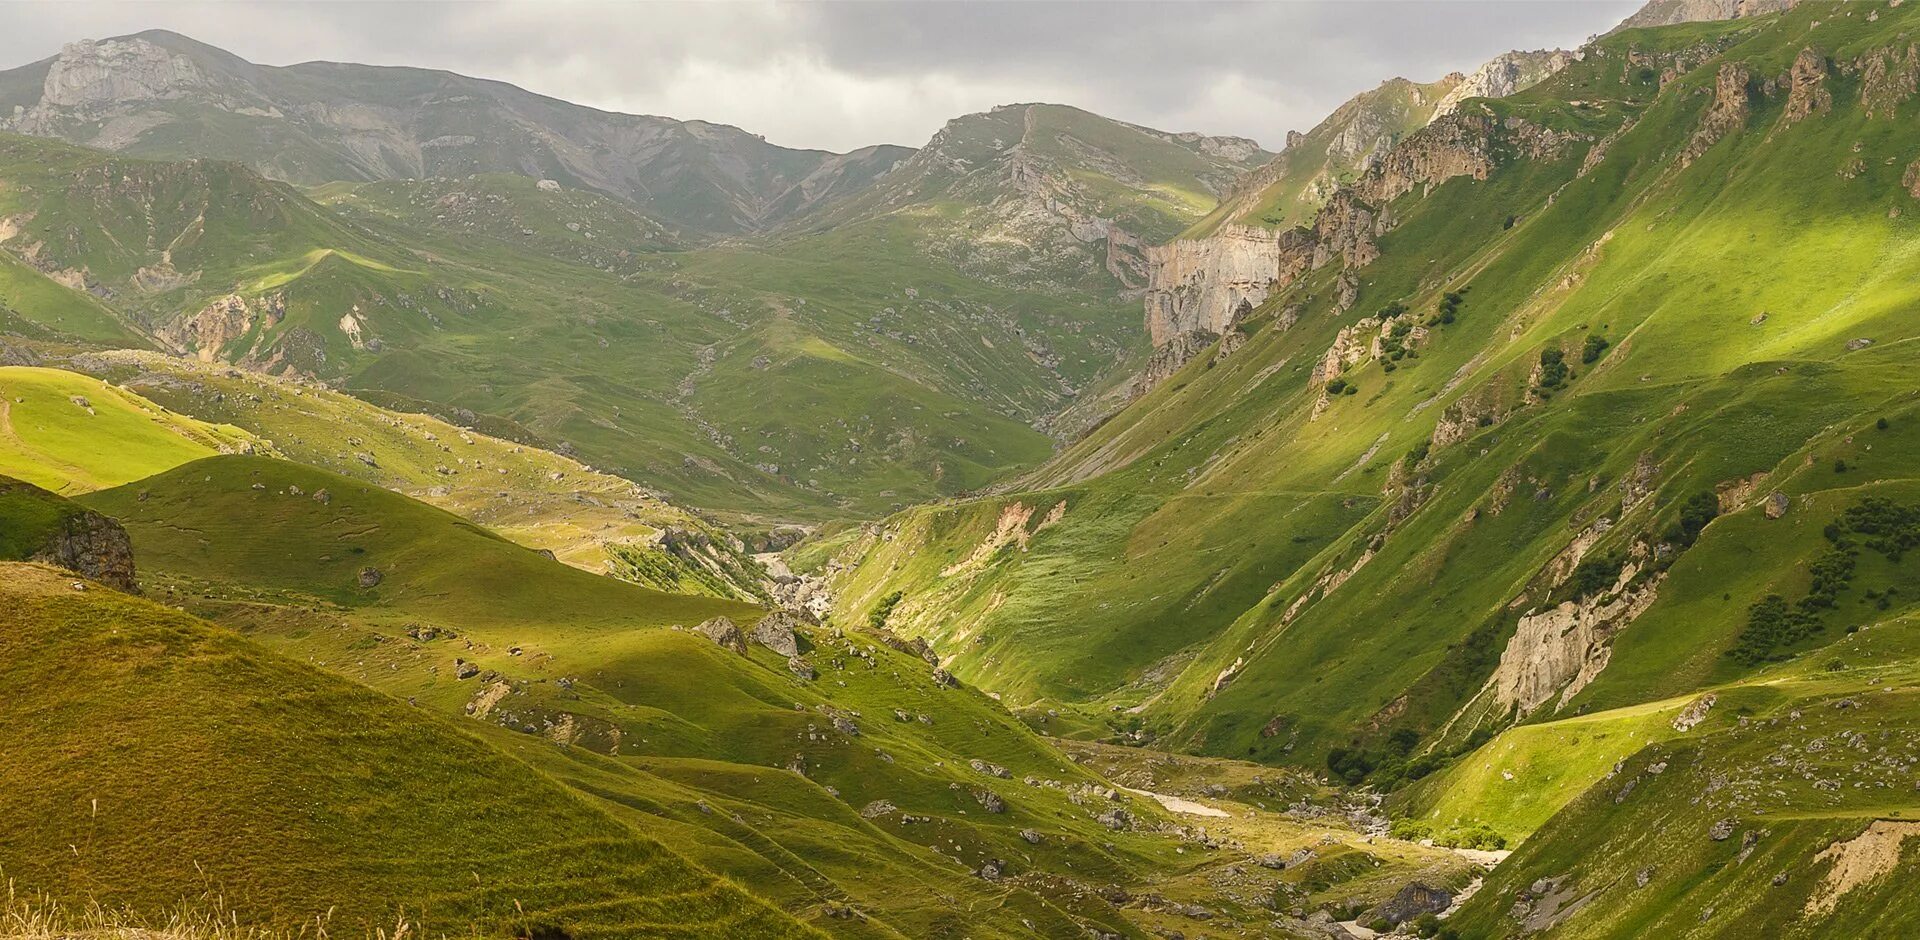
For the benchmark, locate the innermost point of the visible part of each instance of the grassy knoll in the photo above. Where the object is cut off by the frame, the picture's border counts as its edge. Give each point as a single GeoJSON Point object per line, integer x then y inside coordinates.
{"type": "Point", "coordinates": [156, 757]}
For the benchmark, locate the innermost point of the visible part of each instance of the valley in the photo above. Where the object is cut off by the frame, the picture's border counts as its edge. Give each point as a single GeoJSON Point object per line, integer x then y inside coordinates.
{"type": "Point", "coordinates": [431, 507]}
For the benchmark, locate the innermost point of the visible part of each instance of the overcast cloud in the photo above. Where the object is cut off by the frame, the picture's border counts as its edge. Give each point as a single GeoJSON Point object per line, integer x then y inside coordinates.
{"type": "Point", "coordinates": [843, 75]}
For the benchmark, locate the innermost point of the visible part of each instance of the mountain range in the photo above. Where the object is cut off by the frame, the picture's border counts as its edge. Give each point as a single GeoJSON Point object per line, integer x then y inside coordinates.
{"type": "Point", "coordinates": [1486, 516]}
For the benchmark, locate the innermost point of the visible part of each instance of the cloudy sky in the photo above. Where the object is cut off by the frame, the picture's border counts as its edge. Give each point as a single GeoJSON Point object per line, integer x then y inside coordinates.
{"type": "Point", "coordinates": [843, 75]}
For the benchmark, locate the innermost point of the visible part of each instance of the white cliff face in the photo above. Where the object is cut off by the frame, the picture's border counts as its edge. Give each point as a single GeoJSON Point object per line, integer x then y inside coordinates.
{"type": "Point", "coordinates": [1559, 651]}
{"type": "Point", "coordinates": [1504, 75]}
{"type": "Point", "coordinates": [1206, 285]}
{"type": "Point", "coordinates": [96, 73]}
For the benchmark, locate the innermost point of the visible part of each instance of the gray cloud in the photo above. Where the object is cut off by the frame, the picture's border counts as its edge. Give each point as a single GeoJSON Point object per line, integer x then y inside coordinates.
{"type": "Point", "coordinates": [842, 75]}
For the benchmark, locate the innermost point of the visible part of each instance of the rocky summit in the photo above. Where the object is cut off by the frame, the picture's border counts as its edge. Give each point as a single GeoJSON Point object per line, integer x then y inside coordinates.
{"type": "Point", "coordinates": [428, 506]}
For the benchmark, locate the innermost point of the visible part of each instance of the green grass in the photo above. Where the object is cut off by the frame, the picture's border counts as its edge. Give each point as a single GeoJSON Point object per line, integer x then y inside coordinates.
{"type": "Point", "coordinates": [154, 757]}
{"type": "Point", "coordinates": [50, 439]}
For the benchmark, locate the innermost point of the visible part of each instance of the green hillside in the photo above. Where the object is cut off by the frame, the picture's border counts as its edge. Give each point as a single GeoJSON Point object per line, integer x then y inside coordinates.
{"type": "Point", "coordinates": [1263, 564]}
{"type": "Point", "coordinates": [847, 372]}
{"type": "Point", "coordinates": [55, 427]}
{"type": "Point", "coordinates": [825, 795]}
{"type": "Point", "coordinates": [155, 757]}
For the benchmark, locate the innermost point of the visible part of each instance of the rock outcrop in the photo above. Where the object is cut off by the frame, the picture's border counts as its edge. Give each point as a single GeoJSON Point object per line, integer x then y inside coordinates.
{"type": "Point", "coordinates": [1807, 92]}
{"type": "Point", "coordinates": [117, 71]}
{"type": "Point", "coordinates": [1205, 286]}
{"type": "Point", "coordinates": [1888, 77]}
{"type": "Point", "coordinates": [1732, 103]}
{"type": "Point", "coordinates": [207, 333]}
{"type": "Point", "coordinates": [1671, 12]}
{"type": "Point", "coordinates": [1559, 651]}
{"type": "Point", "coordinates": [1503, 75]}
{"type": "Point", "coordinates": [92, 546]}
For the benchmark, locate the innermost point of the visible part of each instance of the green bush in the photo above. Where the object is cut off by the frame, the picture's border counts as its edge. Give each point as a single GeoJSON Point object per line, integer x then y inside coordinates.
{"type": "Point", "coordinates": [1596, 346]}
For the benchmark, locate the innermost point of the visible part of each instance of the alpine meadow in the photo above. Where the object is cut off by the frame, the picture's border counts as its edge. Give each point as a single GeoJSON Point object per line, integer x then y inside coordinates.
{"type": "Point", "coordinates": [434, 508]}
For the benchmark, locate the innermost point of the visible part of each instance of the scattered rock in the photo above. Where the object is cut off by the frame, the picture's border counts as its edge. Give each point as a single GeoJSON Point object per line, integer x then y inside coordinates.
{"type": "Point", "coordinates": [322, 497]}
{"type": "Point", "coordinates": [990, 801]}
{"type": "Point", "coordinates": [804, 670]}
{"type": "Point", "coordinates": [723, 632]}
{"type": "Point", "coordinates": [775, 632]}
{"type": "Point", "coordinates": [1777, 504]}
{"type": "Point", "coordinates": [1855, 345]}
{"type": "Point", "coordinates": [1722, 830]}
{"type": "Point", "coordinates": [878, 808]}
{"type": "Point", "coordinates": [1694, 713]}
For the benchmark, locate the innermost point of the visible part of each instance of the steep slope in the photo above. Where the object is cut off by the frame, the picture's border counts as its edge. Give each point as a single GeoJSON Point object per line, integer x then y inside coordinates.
{"type": "Point", "coordinates": [1781, 806]}
{"type": "Point", "coordinates": [298, 796]}
{"type": "Point", "coordinates": [54, 426]}
{"type": "Point", "coordinates": [833, 770]}
{"type": "Point", "coordinates": [161, 94]}
{"type": "Point", "coordinates": [1464, 467]}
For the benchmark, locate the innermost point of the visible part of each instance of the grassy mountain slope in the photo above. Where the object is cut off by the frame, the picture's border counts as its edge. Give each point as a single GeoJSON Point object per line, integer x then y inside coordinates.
{"type": "Point", "coordinates": [1248, 562]}
{"type": "Point", "coordinates": [55, 427]}
{"type": "Point", "coordinates": [619, 366]}
{"type": "Point", "coordinates": [1783, 813]}
{"type": "Point", "coordinates": [827, 795]}
{"type": "Point", "coordinates": [157, 756]}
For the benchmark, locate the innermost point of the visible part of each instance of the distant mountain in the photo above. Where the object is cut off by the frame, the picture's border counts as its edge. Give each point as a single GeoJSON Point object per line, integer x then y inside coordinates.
{"type": "Point", "coordinates": [161, 94]}
{"type": "Point", "coordinates": [1048, 189]}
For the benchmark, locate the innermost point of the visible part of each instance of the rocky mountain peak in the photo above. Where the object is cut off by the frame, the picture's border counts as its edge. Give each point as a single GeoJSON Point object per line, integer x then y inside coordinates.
{"type": "Point", "coordinates": [115, 71]}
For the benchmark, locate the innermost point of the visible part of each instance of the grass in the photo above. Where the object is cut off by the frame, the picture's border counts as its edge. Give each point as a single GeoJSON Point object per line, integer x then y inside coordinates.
{"type": "Point", "coordinates": [48, 437]}
{"type": "Point", "coordinates": [293, 793]}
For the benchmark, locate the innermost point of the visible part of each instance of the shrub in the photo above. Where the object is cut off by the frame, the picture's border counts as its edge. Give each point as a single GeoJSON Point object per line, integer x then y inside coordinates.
{"type": "Point", "coordinates": [1695, 513]}
{"type": "Point", "coordinates": [1336, 386]}
{"type": "Point", "coordinates": [1594, 575]}
{"type": "Point", "coordinates": [878, 618]}
{"type": "Point", "coordinates": [1553, 367]}
{"type": "Point", "coordinates": [1595, 347]}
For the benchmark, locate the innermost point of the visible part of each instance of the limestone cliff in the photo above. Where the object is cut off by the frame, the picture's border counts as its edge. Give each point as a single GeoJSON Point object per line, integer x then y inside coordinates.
{"type": "Point", "coordinates": [1560, 650]}
{"type": "Point", "coordinates": [1206, 285]}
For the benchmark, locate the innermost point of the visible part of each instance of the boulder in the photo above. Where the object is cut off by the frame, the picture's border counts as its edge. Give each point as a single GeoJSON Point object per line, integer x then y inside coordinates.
{"type": "Point", "coordinates": [1777, 505]}
{"type": "Point", "coordinates": [1031, 837]}
{"type": "Point", "coordinates": [1722, 830]}
{"type": "Point", "coordinates": [465, 670]}
{"type": "Point", "coordinates": [1412, 901]}
{"type": "Point", "coordinates": [990, 801]}
{"type": "Point", "coordinates": [802, 669]}
{"type": "Point", "coordinates": [775, 632]}
{"type": "Point", "coordinates": [723, 632]}
{"type": "Point", "coordinates": [370, 577]}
